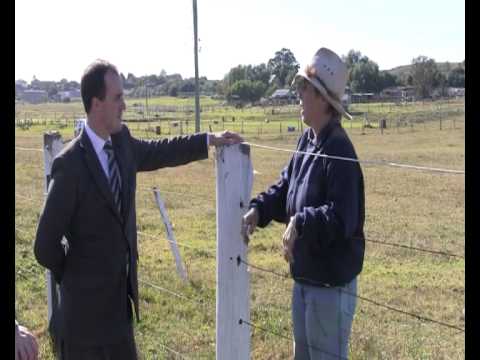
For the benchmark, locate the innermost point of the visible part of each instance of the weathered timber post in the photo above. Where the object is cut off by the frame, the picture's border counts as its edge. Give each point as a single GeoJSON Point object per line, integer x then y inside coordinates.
{"type": "Point", "coordinates": [52, 145]}
{"type": "Point", "coordinates": [234, 184]}
{"type": "Point", "coordinates": [171, 237]}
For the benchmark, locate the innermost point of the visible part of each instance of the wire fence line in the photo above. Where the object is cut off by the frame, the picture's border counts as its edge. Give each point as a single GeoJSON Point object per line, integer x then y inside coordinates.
{"type": "Point", "coordinates": [173, 351]}
{"type": "Point", "coordinates": [29, 199]}
{"type": "Point", "coordinates": [419, 317]}
{"type": "Point", "coordinates": [242, 321]}
{"type": "Point", "coordinates": [207, 250]}
{"type": "Point", "coordinates": [201, 302]}
{"type": "Point", "coordinates": [436, 252]}
{"type": "Point", "coordinates": [413, 248]}
{"type": "Point", "coordinates": [379, 242]}
{"type": "Point", "coordinates": [168, 349]}
{"type": "Point", "coordinates": [27, 149]}
{"type": "Point", "coordinates": [183, 194]}
{"type": "Point", "coordinates": [371, 162]}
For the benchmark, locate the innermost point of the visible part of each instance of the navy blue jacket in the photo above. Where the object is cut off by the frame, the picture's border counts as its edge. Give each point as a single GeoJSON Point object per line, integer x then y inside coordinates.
{"type": "Point", "coordinates": [327, 198]}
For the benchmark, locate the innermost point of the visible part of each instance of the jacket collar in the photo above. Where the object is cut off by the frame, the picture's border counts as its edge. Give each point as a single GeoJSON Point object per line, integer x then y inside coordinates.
{"type": "Point", "coordinates": [319, 140]}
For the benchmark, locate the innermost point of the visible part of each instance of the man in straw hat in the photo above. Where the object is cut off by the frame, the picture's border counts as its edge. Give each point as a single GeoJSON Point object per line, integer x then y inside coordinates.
{"type": "Point", "coordinates": [322, 201]}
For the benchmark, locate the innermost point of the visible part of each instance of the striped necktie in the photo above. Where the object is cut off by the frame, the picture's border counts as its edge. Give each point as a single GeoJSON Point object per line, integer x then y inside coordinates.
{"type": "Point", "coordinates": [115, 182]}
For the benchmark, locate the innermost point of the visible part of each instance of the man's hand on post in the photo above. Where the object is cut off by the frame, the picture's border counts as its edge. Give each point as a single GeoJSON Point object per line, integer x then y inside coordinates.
{"type": "Point", "coordinates": [289, 237]}
{"type": "Point", "coordinates": [249, 223]}
{"type": "Point", "coordinates": [224, 138]}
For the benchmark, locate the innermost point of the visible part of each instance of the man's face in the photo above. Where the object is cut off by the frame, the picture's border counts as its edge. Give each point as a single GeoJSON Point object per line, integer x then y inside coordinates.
{"type": "Point", "coordinates": [112, 107]}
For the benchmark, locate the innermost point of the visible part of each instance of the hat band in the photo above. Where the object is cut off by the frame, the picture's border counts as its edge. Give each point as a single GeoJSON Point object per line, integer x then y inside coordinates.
{"type": "Point", "coordinates": [333, 96]}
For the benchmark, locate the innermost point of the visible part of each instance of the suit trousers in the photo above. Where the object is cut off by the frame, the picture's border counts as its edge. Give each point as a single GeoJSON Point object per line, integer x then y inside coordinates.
{"type": "Point", "coordinates": [124, 350]}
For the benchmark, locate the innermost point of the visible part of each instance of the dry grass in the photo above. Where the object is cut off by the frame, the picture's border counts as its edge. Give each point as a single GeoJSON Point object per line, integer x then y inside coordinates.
{"type": "Point", "coordinates": [402, 206]}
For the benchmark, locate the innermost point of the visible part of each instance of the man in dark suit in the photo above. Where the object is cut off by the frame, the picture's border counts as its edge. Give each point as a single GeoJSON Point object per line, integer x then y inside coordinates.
{"type": "Point", "coordinates": [91, 201]}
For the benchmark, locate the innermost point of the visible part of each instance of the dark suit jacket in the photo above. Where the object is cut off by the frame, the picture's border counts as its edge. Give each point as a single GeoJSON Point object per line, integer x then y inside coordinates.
{"type": "Point", "coordinates": [79, 205]}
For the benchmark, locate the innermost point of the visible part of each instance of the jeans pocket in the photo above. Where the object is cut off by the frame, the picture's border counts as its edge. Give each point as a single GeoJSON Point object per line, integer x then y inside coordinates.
{"type": "Point", "coordinates": [349, 299]}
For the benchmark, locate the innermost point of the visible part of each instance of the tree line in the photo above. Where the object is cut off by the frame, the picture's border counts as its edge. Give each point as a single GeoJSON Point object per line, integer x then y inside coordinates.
{"type": "Point", "coordinates": [252, 82]}
{"type": "Point", "coordinates": [249, 83]}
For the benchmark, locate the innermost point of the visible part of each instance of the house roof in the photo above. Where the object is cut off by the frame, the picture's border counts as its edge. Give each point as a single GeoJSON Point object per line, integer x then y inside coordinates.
{"type": "Point", "coordinates": [282, 92]}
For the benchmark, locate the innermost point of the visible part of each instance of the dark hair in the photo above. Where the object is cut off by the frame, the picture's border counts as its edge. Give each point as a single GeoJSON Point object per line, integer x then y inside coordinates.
{"type": "Point", "coordinates": [93, 82]}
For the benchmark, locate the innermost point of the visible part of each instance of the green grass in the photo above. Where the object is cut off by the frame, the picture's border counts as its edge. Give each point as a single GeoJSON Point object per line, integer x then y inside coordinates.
{"type": "Point", "coordinates": [402, 206]}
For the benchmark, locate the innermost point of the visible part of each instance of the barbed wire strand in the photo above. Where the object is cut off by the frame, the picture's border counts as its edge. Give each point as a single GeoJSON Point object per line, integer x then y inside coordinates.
{"type": "Point", "coordinates": [170, 292]}
{"type": "Point", "coordinates": [208, 250]}
{"type": "Point", "coordinates": [173, 351]}
{"type": "Point", "coordinates": [21, 230]}
{"type": "Point", "coordinates": [242, 321]}
{"type": "Point", "coordinates": [419, 317]}
{"type": "Point", "coordinates": [173, 293]}
{"type": "Point", "coordinates": [168, 348]}
{"type": "Point", "coordinates": [189, 195]}
{"type": "Point", "coordinates": [27, 149]}
{"type": "Point", "coordinates": [415, 248]}
{"type": "Point", "coordinates": [373, 162]}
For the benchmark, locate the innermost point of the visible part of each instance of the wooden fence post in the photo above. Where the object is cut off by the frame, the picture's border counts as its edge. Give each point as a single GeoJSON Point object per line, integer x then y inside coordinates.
{"type": "Point", "coordinates": [234, 185]}
{"type": "Point", "coordinates": [171, 237]}
{"type": "Point", "coordinates": [52, 145]}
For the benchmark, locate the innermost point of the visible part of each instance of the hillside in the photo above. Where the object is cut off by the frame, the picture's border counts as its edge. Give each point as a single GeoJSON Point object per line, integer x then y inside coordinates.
{"type": "Point", "coordinates": [400, 71]}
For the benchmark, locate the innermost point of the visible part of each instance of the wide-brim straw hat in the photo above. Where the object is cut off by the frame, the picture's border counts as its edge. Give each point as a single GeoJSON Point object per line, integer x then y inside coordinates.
{"type": "Point", "coordinates": [330, 78]}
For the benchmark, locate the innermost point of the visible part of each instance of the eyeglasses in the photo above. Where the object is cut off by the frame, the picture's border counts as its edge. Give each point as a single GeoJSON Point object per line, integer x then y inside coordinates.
{"type": "Point", "coordinates": [301, 85]}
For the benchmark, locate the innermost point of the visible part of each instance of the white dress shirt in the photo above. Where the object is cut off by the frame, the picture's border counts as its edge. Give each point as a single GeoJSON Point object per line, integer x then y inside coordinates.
{"type": "Point", "coordinates": [98, 144]}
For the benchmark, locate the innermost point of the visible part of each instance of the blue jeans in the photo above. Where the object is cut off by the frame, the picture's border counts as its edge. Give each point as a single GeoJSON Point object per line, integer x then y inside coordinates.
{"type": "Point", "coordinates": [322, 320]}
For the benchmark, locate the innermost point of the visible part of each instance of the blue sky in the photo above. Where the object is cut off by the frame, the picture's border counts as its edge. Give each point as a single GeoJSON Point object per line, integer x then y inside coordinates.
{"type": "Point", "coordinates": [57, 39]}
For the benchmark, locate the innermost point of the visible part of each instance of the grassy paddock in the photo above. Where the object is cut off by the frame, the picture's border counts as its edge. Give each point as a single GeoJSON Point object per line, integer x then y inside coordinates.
{"type": "Point", "coordinates": [402, 206]}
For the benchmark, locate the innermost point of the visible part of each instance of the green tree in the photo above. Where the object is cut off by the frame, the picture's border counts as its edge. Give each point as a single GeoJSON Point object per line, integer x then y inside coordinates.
{"type": "Point", "coordinates": [173, 90]}
{"type": "Point", "coordinates": [441, 83]}
{"type": "Point", "coordinates": [282, 65]}
{"type": "Point", "coordinates": [247, 90]}
{"type": "Point", "coordinates": [456, 77]}
{"type": "Point", "coordinates": [365, 77]}
{"type": "Point", "coordinates": [352, 58]}
{"type": "Point", "coordinates": [256, 73]}
{"type": "Point", "coordinates": [260, 73]}
{"type": "Point", "coordinates": [387, 80]}
{"type": "Point", "coordinates": [424, 73]}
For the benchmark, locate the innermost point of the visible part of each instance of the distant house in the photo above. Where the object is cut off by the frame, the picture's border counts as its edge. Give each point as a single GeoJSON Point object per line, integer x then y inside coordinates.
{"type": "Point", "coordinates": [398, 93]}
{"type": "Point", "coordinates": [34, 96]}
{"type": "Point", "coordinates": [361, 97]}
{"type": "Point", "coordinates": [346, 100]}
{"type": "Point", "coordinates": [20, 87]}
{"type": "Point", "coordinates": [282, 96]}
{"type": "Point", "coordinates": [70, 95]}
{"type": "Point", "coordinates": [456, 91]}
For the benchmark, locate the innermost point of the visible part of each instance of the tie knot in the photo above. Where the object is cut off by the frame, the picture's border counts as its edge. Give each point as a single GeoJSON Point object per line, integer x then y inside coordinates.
{"type": "Point", "coordinates": [108, 148]}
